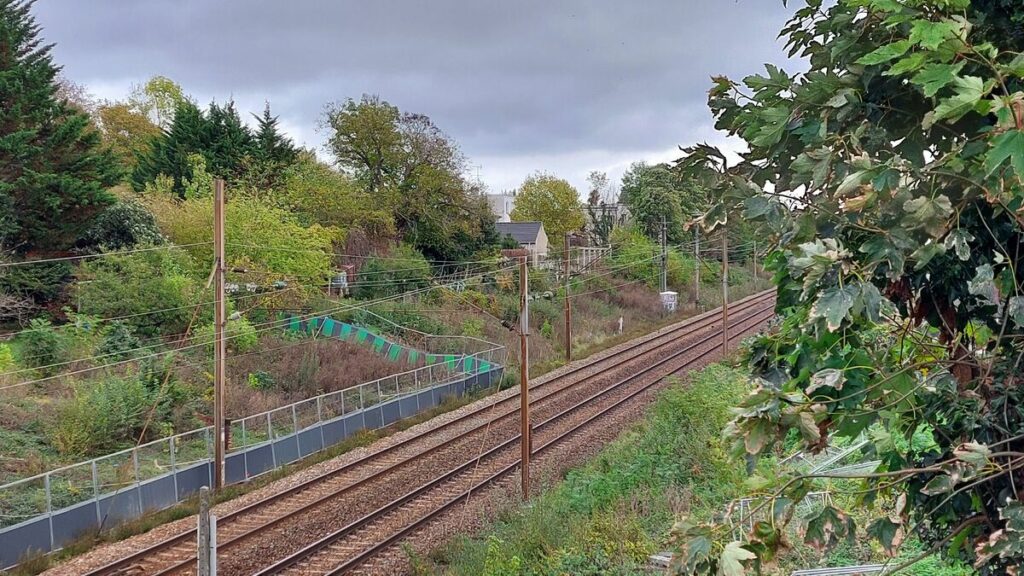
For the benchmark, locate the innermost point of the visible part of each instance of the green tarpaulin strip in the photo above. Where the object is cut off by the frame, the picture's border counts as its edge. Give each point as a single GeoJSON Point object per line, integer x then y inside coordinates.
{"type": "Point", "coordinates": [378, 343]}
{"type": "Point", "coordinates": [361, 335]}
{"type": "Point", "coordinates": [294, 324]}
{"type": "Point", "coordinates": [414, 355]}
{"type": "Point", "coordinates": [328, 327]}
{"type": "Point", "coordinates": [450, 361]}
{"type": "Point", "coordinates": [485, 366]}
{"type": "Point", "coordinates": [346, 331]}
{"type": "Point", "coordinates": [395, 351]}
{"type": "Point", "coordinates": [467, 364]}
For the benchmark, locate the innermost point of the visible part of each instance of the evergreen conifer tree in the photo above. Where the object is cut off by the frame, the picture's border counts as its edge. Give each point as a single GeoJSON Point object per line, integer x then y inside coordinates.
{"type": "Point", "coordinates": [272, 147]}
{"type": "Point", "coordinates": [53, 170]}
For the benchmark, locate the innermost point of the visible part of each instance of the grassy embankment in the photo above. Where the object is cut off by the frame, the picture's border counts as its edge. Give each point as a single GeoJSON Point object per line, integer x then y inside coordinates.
{"type": "Point", "coordinates": [610, 515]}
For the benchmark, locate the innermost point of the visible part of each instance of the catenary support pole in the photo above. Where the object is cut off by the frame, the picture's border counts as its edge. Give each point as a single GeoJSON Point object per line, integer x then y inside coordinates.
{"type": "Point", "coordinates": [568, 306]}
{"type": "Point", "coordinates": [696, 267]}
{"type": "Point", "coordinates": [664, 255]}
{"type": "Point", "coordinates": [725, 290]}
{"type": "Point", "coordinates": [526, 442]}
{"type": "Point", "coordinates": [219, 321]}
{"type": "Point", "coordinates": [754, 253]}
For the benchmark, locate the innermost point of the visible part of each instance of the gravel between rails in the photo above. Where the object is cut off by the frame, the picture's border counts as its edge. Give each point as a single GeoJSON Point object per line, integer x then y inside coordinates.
{"type": "Point", "coordinates": [266, 547]}
{"type": "Point", "coordinates": [548, 469]}
{"type": "Point", "coordinates": [111, 552]}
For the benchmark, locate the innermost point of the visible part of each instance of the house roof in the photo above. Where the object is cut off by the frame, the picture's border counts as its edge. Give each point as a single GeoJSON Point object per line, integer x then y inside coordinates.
{"type": "Point", "coordinates": [521, 232]}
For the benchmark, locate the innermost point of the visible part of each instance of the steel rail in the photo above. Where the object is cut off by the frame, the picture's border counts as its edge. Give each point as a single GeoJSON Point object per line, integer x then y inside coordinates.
{"type": "Point", "coordinates": [688, 327]}
{"type": "Point", "coordinates": [758, 316]}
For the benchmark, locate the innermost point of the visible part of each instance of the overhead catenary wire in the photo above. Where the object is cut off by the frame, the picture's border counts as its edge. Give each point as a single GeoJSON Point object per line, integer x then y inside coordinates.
{"type": "Point", "coordinates": [264, 327]}
{"type": "Point", "coordinates": [100, 254]}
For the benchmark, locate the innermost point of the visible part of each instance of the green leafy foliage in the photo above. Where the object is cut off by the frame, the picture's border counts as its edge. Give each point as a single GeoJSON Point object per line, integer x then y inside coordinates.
{"type": "Point", "coordinates": [551, 201]}
{"type": "Point", "coordinates": [44, 346]}
{"type": "Point", "coordinates": [402, 270]}
{"type": "Point", "coordinates": [101, 416]}
{"type": "Point", "coordinates": [153, 290]}
{"type": "Point", "coordinates": [55, 173]}
{"type": "Point", "coordinates": [896, 257]}
{"type": "Point", "coordinates": [121, 226]}
{"type": "Point", "coordinates": [240, 335]}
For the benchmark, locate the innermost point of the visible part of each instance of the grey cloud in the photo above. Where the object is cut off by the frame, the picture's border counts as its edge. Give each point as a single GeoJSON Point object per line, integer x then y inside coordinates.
{"type": "Point", "coordinates": [503, 78]}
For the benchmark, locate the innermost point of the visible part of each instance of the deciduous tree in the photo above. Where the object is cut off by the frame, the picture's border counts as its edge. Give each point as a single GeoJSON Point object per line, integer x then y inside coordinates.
{"type": "Point", "coordinates": [891, 176]}
{"type": "Point", "coordinates": [553, 202]}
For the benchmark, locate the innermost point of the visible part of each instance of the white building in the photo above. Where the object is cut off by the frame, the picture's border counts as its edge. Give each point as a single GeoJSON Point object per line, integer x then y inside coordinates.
{"type": "Point", "coordinates": [502, 205]}
{"type": "Point", "coordinates": [529, 235]}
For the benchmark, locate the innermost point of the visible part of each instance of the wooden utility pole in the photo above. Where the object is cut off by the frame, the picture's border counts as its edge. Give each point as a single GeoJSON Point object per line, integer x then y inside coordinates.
{"type": "Point", "coordinates": [526, 441]}
{"type": "Point", "coordinates": [725, 290]}
{"type": "Point", "coordinates": [568, 306]}
{"type": "Point", "coordinates": [664, 255]}
{"type": "Point", "coordinates": [219, 346]}
{"type": "Point", "coordinates": [696, 267]}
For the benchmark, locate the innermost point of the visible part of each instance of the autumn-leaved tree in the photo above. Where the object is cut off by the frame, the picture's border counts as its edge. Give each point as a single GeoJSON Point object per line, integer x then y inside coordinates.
{"type": "Point", "coordinates": [551, 201]}
{"type": "Point", "coordinates": [890, 173]}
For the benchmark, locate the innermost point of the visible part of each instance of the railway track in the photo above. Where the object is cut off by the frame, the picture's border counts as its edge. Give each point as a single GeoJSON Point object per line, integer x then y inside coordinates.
{"type": "Point", "coordinates": [351, 494]}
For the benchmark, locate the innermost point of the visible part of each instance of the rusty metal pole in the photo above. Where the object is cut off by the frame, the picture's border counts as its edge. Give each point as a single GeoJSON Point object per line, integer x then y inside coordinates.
{"type": "Point", "coordinates": [696, 267]}
{"type": "Point", "coordinates": [568, 306]}
{"type": "Point", "coordinates": [219, 322]}
{"type": "Point", "coordinates": [526, 441]}
{"type": "Point", "coordinates": [725, 291]}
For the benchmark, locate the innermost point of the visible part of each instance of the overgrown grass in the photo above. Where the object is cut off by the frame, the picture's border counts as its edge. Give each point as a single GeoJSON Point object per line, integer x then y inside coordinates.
{"type": "Point", "coordinates": [609, 516]}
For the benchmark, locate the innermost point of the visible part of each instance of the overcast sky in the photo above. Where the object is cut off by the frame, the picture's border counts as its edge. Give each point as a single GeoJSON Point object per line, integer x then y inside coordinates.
{"type": "Point", "coordinates": [562, 86]}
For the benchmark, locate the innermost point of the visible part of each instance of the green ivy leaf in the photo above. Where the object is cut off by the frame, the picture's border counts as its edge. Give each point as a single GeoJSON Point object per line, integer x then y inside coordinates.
{"type": "Point", "coordinates": [923, 255]}
{"type": "Point", "coordinates": [969, 92]}
{"type": "Point", "coordinates": [930, 34]}
{"type": "Point", "coordinates": [973, 453]}
{"type": "Point", "coordinates": [938, 485]}
{"type": "Point", "coordinates": [887, 533]}
{"type": "Point", "coordinates": [929, 213]}
{"type": "Point", "coordinates": [1007, 145]}
{"type": "Point", "coordinates": [834, 305]}
{"type": "Point", "coordinates": [959, 240]}
{"type": "Point", "coordinates": [829, 377]}
{"type": "Point", "coordinates": [1015, 308]}
{"type": "Point", "coordinates": [775, 120]}
{"type": "Point", "coordinates": [827, 528]}
{"type": "Point", "coordinates": [886, 53]}
{"type": "Point", "coordinates": [732, 559]}
{"type": "Point", "coordinates": [983, 285]}
{"type": "Point", "coordinates": [935, 77]}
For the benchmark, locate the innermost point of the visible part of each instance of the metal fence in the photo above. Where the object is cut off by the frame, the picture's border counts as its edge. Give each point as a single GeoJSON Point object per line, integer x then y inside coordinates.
{"type": "Point", "coordinates": [45, 512]}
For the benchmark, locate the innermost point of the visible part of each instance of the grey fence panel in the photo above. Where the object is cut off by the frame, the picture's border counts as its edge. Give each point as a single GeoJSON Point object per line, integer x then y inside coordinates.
{"type": "Point", "coordinates": [407, 406]}
{"type": "Point", "coordinates": [21, 539]}
{"type": "Point", "coordinates": [286, 450]}
{"type": "Point", "coordinates": [310, 441]}
{"type": "Point", "coordinates": [124, 501]}
{"type": "Point", "coordinates": [354, 423]}
{"type": "Point", "coordinates": [374, 418]}
{"type": "Point", "coordinates": [192, 478]}
{"type": "Point", "coordinates": [70, 523]}
{"type": "Point", "coordinates": [334, 431]}
{"type": "Point", "coordinates": [392, 412]}
{"type": "Point", "coordinates": [158, 493]}
{"type": "Point", "coordinates": [425, 400]}
{"type": "Point", "coordinates": [120, 506]}
{"type": "Point", "coordinates": [235, 467]}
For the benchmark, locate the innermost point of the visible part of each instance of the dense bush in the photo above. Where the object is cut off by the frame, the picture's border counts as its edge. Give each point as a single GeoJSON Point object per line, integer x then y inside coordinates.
{"type": "Point", "coordinates": [240, 334]}
{"type": "Point", "coordinates": [155, 288]}
{"type": "Point", "coordinates": [264, 237]}
{"type": "Point", "coordinates": [43, 346]}
{"type": "Point", "coordinates": [403, 270]}
{"type": "Point", "coordinates": [6, 357]}
{"type": "Point", "coordinates": [41, 283]}
{"type": "Point", "coordinates": [122, 225]}
{"type": "Point", "coordinates": [119, 342]}
{"type": "Point", "coordinates": [100, 417]}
